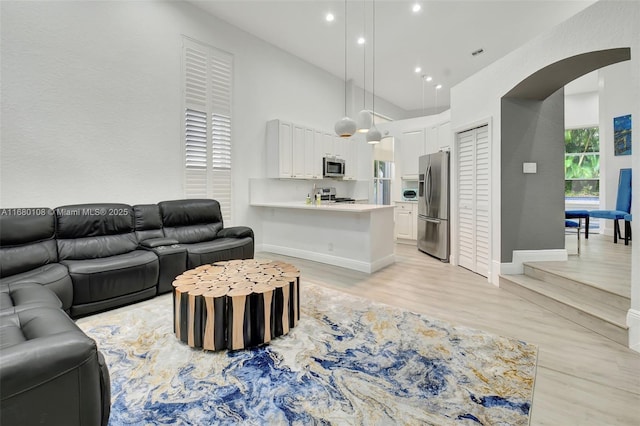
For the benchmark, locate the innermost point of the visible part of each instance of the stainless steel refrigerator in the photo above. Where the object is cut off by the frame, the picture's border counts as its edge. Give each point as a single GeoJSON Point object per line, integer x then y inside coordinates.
{"type": "Point", "coordinates": [433, 205]}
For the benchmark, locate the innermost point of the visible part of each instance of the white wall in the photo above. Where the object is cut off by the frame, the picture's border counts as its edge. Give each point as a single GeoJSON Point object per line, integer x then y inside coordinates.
{"type": "Point", "coordinates": [91, 101]}
{"type": "Point", "coordinates": [614, 102]}
{"type": "Point", "coordinates": [602, 26]}
{"type": "Point", "coordinates": [581, 110]}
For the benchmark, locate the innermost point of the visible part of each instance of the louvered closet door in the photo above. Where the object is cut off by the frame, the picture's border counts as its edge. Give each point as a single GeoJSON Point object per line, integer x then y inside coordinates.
{"type": "Point", "coordinates": [473, 200]}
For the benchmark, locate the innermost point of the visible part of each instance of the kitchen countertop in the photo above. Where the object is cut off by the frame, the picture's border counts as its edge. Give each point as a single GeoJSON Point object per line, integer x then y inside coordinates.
{"type": "Point", "coordinates": [336, 207]}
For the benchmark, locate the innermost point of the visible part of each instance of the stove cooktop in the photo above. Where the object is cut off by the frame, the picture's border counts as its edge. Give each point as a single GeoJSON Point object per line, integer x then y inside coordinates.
{"type": "Point", "coordinates": [344, 200]}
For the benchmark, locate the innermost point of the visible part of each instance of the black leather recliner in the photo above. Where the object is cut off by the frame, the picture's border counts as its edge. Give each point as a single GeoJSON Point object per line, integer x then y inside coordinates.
{"type": "Point", "coordinates": [172, 257]}
{"type": "Point", "coordinates": [28, 252]}
{"type": "Point", "coordinates": [15, 297]}
{"type": "Point", "coordinates": [97, 243]}
{"type": "Point", "coordinates": [197, 225]}
{"type": "Point", "coordinates": [51, 373]}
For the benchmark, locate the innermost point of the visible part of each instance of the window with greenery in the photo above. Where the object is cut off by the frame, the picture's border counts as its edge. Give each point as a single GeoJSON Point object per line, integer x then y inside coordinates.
{"type": "Point", "coordinates": [582, 162]}
{"type": "Point", "coordinates": [382, 178]}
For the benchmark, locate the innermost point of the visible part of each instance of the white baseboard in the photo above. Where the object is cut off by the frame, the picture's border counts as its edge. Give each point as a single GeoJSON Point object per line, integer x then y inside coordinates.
{"type": "Point", "coordinates": [633, 321]}
{"type": "Point", "coordinates": [342, 262]}
{"type": "Point", "coordinates": [516, 267]}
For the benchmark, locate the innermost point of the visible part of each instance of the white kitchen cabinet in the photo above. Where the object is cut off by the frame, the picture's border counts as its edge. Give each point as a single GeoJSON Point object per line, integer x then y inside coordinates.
{"type": "Point", "coordinates": [294, 151]}
{"type": "Point", "coordinates": [350, 159]}
{"type": "Point", "coordinates": [412, 146]}
{"type": "Point", "coordinates": [327, 145]}
{"type": "Point", "coordinates": [279, 149]}
{"type": "Point", "coordinates": [339, 147]}
{"type": "Point", "coordinates": [444, 136]}
{"type": "Point", "coordinates": [431, 143]}
{"type": "Point", "coordinates": [298, 152]}
{"type": "Point", "coordinates": [406, 219]}
{"type": "Point", "coordinates": [312, 156]}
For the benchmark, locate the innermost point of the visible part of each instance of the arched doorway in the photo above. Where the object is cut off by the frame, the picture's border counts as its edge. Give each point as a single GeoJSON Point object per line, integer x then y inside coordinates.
{"type": "Point", "coordinates": [532, 129]}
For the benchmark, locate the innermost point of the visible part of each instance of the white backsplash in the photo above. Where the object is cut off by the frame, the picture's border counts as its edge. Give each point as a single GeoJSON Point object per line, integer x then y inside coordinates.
{"type": "Point", "coordinates": [284, 190]}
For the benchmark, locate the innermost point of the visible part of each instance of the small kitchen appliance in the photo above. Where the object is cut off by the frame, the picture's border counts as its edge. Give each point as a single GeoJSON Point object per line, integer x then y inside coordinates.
{"type": "Point", "coordinates": [333, 167]}
{"type": "Point", "coordinates": [410, 195]}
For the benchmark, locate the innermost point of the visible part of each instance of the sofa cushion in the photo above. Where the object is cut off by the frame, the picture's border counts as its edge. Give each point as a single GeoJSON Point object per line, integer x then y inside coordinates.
{"type": "Point", "coordinates": [92, 220]}
{"type": "Point", "coordinates": [96, 247]}
{"type": "Point", "coordinates": [90, 231]}
{"type": "Point", "coordinates": [148, 222]}
{"type": "Point", "coordinates": [105, 278]}
{"type": "Point", "coordinates": [26, 240]}
{"type": "Point", "coordinates": [25, 225]}
{"type": "Point", "coordinates": [53, 276]}
{"type": "Point", "coordinates": [15, 260]}
{"type": "Point", "coordinates": [194, 233]}
{"type": "Point", "coordinates": [191, 221]}
{"type": "Point", "coordinates": [219, 249]}
{"type": "Point", "coordinates": [20, 296]}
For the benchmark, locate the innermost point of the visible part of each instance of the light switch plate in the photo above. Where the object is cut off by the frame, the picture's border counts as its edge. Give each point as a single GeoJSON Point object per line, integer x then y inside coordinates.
{"type": "Point", "coordinates": [529, 167]}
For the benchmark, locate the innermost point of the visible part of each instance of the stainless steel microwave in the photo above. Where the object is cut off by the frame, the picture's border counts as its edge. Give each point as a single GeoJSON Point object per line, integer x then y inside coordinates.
{"type": "Point", "coordinates": [332, 167]}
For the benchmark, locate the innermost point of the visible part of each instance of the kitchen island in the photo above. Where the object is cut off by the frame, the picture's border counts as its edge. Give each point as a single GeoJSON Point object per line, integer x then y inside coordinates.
{"type": "Point", "coordinates": [354, 236]}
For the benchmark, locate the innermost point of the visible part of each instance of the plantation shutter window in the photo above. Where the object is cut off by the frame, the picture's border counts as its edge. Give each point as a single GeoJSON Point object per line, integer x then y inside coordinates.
{"type": "Point", "coordinates": [207, 124]}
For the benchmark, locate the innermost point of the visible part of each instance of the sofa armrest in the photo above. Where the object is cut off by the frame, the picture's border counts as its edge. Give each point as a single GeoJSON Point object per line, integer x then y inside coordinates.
{"type": "Point", "coordinates": [29, 364]}
{"type": "Point", "coordinates": [235, 232]}
{"type": "Point", "coordinates": [157, 242]}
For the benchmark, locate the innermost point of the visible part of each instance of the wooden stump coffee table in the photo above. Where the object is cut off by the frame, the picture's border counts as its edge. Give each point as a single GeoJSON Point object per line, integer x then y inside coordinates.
{"type": "Point", "coordinates": [235, 304]}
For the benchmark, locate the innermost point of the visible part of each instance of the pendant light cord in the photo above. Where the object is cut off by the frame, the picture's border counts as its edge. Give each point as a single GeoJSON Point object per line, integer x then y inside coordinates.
{"type": "Point", "coordinates": [373, 74]}
{"type": "Point", "coordinates": [364, 57]}
{"type": "Point", "coordinates": [345, 58]}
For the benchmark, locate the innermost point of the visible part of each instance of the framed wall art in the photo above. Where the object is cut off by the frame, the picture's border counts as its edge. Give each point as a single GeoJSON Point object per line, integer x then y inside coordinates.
{"type": "Point", "coordinates": [622, 135]}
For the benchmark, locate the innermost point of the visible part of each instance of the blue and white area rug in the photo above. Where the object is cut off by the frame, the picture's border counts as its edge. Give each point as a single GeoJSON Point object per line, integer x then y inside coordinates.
{"type": "Point", "coordinates": [348, 361]}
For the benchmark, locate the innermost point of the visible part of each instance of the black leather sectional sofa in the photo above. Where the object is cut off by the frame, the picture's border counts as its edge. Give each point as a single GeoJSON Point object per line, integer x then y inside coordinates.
{"type": "Point", "coordinates": [81, 259]}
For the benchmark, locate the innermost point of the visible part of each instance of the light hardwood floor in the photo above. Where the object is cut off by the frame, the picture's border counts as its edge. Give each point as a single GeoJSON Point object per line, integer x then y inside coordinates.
{"type": "Point", "coordinates": [601, 263]}
{"type": "Point", "coordinates": [582, 378]}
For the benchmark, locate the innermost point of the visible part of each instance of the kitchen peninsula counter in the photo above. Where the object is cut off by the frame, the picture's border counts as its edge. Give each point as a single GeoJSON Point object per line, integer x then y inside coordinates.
{"type": "Point", "coordinates": [330, 206]}
{"type": "Point", "coordinates": [354, 236]}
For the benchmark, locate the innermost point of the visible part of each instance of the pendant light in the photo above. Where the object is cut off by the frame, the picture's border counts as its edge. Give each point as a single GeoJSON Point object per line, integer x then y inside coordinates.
{"type": "Point", "coordinates": [345, 127]}
{"type": "Point", "coordinates": [373, 135]}
{"type": "Point", "coordinates": [363, 119]}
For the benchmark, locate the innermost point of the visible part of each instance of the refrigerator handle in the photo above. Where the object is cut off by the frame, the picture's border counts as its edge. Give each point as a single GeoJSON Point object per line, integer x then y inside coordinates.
{"type": "Point", "coordinates": [428, 197]}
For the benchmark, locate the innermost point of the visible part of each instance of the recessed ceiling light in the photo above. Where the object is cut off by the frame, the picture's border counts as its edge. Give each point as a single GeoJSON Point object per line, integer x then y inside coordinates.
{"type": "Point", "coordinates": [330, 17]}
{"type": "Point", "coordinates": [418, 69]}
{"type": "Point", "coordinates": [416, 7]}
{"type": "Point", "coordinates": [439, 86]}
{"type": "Point", "coordinates": [427, 78]}
{"type": "Point", "coordinates": [361, 40]}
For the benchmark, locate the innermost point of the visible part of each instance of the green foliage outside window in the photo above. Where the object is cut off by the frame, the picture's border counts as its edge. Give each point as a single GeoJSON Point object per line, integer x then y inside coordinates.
{"type": "Point", "coordinates": [582, 162]}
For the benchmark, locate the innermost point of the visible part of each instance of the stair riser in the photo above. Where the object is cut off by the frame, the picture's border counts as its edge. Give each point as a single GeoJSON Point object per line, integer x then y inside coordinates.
{"type": "Point", "coordinates": [611, 299]}
{"type": "Point", "coordinates": [604, 328]}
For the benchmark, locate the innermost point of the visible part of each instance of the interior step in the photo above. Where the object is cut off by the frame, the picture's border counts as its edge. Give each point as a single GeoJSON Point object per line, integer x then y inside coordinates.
{"type": "Point", "coordinates": [591, 291]}
{"type": "Point", "coordinates": [574, 304]}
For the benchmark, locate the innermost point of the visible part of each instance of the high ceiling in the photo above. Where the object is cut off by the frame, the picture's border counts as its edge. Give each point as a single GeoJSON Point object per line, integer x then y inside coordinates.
{"type": "Point", "coordinates": [440, 38]}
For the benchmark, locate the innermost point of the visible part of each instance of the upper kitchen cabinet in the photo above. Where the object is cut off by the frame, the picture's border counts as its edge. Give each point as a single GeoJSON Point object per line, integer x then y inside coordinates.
{"type": "Point", "coordinates": [444, 136]}
{"type": "Point", "coordinates": [350, 159]}
{"type": "Point", "coordinates": [279, 149]}
{"type": "Point", "coordinates": [312, 154]}
{"type": "Point", "coordinates": [294, 151]}
{"type": "Point", "coordinates": [298, 154]}
{"type": "Point", "coordinates": [431, 143]}
{"type": "Point", "coordinates": [438, 138]}
{"type": "Point", "coordinates": [411, 146]}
